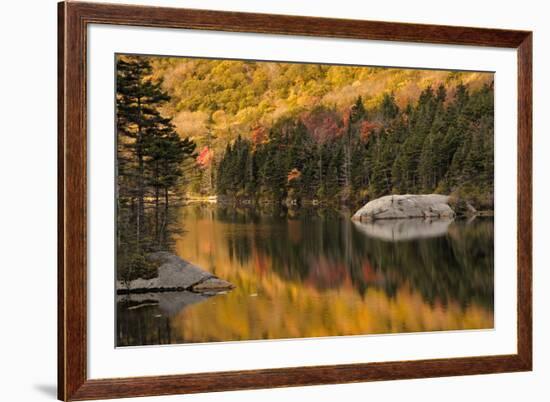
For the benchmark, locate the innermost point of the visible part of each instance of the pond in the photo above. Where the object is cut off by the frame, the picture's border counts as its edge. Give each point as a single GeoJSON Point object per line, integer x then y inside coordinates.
{"type": "Point", "coordinates": [315, 273]}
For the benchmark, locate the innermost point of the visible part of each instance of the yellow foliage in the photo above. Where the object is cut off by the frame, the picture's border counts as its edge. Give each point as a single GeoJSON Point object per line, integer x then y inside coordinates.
{"type": "Point", "coordinates": [251, 93]}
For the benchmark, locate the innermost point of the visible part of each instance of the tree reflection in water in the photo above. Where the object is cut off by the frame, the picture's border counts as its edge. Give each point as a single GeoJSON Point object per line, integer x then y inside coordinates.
{"type": "Point", "coordinates": [317, 273]}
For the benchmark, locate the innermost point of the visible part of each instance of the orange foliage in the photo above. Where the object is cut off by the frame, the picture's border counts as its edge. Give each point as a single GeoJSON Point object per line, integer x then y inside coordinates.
{"type": "Point", "coordinates": [293, 175]}
{"type": "Point", "coordinates": [367, 127]}
{"type": "Point", "coordinates": [258, 135]}
{"type": "Point", "coordinates": [206, 155]}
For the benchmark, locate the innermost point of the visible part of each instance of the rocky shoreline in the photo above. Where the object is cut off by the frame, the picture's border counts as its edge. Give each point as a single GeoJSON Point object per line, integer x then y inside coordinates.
{"type": "Point", "coordinates": [174, 275]}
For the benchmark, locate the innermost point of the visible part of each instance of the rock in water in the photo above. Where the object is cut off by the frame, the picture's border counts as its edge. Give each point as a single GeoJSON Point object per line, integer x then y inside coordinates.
{"type": "Point", "coordinates": [175, 273]}
{"type": "Point", "coordinates": [211, 285]}
{"type": "Point", "coordinates": [405, 207]}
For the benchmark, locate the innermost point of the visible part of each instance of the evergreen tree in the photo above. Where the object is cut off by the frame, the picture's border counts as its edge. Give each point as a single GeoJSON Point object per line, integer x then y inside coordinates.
{"type": "Point", "coordinates": [358, 111]}
{"type": "Point", "coordinates": [150, 156]}
{"type": "Point", "coordinates": [389, 107]}
{"type": "Point", "coordinates": [432, 145]}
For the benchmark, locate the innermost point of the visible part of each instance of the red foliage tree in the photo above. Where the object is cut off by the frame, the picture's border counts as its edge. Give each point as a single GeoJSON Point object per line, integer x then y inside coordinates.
{"type": "Point", "coordinates": [323, 124]}
{"type": "Point", "coordinates": [205, 157]}
{"type": "Point", "coordinates": [367, 127]}
{"type": "Point", "coordinates": [258, 135]}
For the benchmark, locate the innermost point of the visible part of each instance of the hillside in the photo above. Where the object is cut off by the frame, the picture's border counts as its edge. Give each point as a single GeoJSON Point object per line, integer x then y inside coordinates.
{"type": "Point", "coordinates": [214, 101]}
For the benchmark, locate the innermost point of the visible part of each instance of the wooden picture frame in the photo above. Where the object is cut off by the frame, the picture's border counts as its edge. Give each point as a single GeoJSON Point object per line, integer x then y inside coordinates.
{"type": "Point", "coordinates": [73, 382]}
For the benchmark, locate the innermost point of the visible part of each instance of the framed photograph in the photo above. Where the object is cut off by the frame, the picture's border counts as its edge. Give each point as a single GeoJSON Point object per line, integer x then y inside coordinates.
{"type": "Point", "coordinates": [253, 201]}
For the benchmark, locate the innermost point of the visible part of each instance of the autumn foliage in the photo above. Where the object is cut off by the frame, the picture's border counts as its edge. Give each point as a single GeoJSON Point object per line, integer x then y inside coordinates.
{"type": "Point", "coordinates": [352, 132]}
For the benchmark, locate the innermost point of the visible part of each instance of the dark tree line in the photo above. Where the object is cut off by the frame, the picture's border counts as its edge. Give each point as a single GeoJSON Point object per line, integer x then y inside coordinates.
{"type": "Point", "coordinates": [433, 145]}
{"type": "Point", "coordinates": [151, 163]}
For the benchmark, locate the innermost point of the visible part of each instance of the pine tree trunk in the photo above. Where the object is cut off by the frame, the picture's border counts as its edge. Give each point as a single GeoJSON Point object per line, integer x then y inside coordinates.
{"type": "Point", "coordinates": [157, 207]}
{"type": "Point", "coordinates": [321, 169]}
{"type": "Point", "coordinates": [165, 218]}
{"type": "Point", "coordinates": [157, 197]}
{"type": "Point", "coordinates": [139, 154]}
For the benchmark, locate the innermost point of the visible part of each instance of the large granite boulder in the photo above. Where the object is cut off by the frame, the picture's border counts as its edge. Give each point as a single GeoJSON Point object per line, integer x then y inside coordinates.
{"type": "Point", "coordinates": [174, 274]}
{"type": "Point", "coordinates": [405, 207]}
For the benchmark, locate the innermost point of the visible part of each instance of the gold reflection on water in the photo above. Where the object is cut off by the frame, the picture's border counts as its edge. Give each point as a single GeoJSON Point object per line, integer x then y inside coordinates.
{"type": "Point", "coordinates": [265, 306]}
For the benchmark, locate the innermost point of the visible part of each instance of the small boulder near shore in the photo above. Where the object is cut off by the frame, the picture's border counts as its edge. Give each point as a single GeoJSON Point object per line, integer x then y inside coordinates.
{"type": "Point", "coordinates": [428, 206]}
{"type": "Point", "coordinates": [175, 274]}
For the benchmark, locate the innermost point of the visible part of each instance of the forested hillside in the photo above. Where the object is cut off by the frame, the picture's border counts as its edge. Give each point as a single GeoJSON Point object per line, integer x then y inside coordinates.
{"type": "Point", "coordinates": [226, 98]}
{"type": "Point", "coordinates": [429, 146]}
{"type": "Point", "coordinates": [331, 134]}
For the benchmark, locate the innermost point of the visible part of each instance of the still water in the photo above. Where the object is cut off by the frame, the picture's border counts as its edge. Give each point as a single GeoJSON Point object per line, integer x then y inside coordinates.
{"type": "Point", "coordinates": [316, 273]}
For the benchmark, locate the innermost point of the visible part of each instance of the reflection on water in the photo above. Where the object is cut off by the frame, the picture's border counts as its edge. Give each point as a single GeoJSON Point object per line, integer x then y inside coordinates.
{"type": "Point", "coordinates": [317, 273]}
{"type": "Point", "coordinates": [404, 229]}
